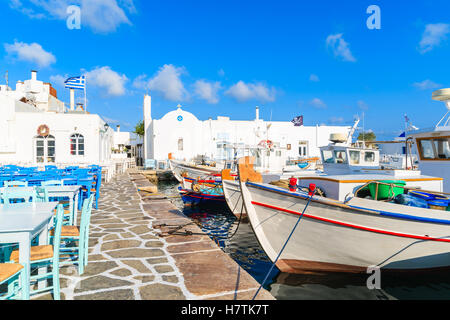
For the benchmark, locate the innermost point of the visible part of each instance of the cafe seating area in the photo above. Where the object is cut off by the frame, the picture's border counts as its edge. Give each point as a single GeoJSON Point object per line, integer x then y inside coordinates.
{"type": "Point", "coordinates": [40, 226]}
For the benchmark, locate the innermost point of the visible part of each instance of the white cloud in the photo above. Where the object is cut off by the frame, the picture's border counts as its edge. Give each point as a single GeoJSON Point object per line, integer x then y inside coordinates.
{"type": "Point", "coordinates": [362, 105]}
{"type": "Point", "coordinates": [426, 85]}
{"type": "Point", "coordinates": [58, 80]}
{"type": "Point", "coordinates": [243, 92]}
{"type": "Point", "coordinates": [336, 120]}
{"type": "Point", "coordinates": [314, 78]}
{"type": "Point", "coordinates": [102, 16]}
{"type": "Point", "coordinates": [433, 35]}
{"type": "Point", "coordinates": [168, 82]}
{"type": "Point", "coordinates": [340, 47]}
{"type": "Point", "coordinates": [207, 90]}
{"type": "Point", "coordinates": [317, 103]}
{"type": "Point", "coordinates": [107, 79]}
{"type": "Point", "coordinates": [140, 82]}
{"type": "Point", "coordinates": [32, 52]}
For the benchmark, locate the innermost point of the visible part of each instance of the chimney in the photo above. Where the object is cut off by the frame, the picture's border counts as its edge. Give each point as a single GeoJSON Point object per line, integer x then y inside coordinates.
{"type": "Point", "coordinates": [257, 113]}
{"type": "Point", "coordinates": [33, 75]}
{"type": "Point", "coordinates": [118, 128]}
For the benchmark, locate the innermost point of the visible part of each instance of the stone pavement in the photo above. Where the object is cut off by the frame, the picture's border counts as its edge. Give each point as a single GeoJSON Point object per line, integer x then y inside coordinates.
{"type": "Point", "coordinates": [132, 256]}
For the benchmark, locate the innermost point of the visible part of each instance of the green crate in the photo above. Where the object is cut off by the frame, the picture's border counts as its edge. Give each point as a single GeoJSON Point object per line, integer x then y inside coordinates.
{"type": "Point", "coordinates": [385, 191]}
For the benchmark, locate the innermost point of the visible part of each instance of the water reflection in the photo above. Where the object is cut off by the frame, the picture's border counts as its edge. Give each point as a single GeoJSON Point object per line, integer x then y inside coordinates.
{"type": "Point", "coordinates": [242, 245]}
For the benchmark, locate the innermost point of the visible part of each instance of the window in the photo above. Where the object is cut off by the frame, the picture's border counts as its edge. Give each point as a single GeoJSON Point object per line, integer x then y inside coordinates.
{"type": "Point", "coordinates": [45, 149]}
{"type": "Point", "coordinates": [303, 148]}
{"type": "Point", "coordinates": [77, 145]}
{"type": "Point", "coordinates": [180, 144]}
{"type": "Point", "coordinates": [354, 157]}
{"type": "Point", "coordinates": [434, 149]}
{"type": "Point", "coordinates": [341, 156]}
{"type": "Point", "coordinates": [369, 156]}
{"type": "Point", "coordinates": [327, 156]}
{"type": "Point", "coordinates": [442, 148]}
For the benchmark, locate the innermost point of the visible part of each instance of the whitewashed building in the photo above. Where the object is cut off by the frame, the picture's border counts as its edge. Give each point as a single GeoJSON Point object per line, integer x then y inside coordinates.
{"type": "Point", "coordinates": [37, 129]}
{"type": "Point", "coordinates": [184, 136]}
{"type": "Point", "coordinates": [128, 145]}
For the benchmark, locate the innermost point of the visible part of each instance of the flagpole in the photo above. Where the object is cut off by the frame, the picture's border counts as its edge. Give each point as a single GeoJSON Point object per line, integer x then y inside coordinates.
{"type": "Point", "coordinates": [85, 100]}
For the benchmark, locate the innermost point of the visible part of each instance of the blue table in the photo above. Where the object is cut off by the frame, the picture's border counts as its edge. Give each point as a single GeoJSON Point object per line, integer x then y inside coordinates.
{"type": "Point", "coordinates": [21, 222]}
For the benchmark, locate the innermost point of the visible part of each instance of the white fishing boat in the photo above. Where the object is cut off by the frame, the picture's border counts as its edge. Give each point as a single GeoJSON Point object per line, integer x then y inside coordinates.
{"type": "Point", "coordinates": [342, 231]}
{"type": "Point", "coordinates": [231, 186]}
{"type": "Point", "coordinates": [351, 226]}
{"type": "Point", "coordinates": [191, 169]}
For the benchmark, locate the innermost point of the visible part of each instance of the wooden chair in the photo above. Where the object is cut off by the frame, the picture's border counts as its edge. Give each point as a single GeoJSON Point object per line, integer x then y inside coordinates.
{"type": "Point", "coordinates": [12, 274]}
{"type": "Point", "coordinates": [80, 235]}
{"type": "Point", "coordinates": [45, 256]}
{"type": "Point", "coordinates": [18, 194]}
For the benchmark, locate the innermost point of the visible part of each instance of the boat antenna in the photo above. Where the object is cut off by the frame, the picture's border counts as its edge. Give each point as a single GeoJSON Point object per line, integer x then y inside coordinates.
{"type": "Point", "coordinates": [364, 130]}
{"type": "Point", "coordinates": [7, 80]}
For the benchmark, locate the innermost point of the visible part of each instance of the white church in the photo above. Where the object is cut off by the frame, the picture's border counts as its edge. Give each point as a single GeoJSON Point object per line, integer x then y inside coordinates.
{"type": "Point", "coordinates": [181, 135]}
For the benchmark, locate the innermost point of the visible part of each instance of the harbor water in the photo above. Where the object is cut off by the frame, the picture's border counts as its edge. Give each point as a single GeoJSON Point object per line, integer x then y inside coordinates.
{"type": "Point", "coordinates": [237, 239]}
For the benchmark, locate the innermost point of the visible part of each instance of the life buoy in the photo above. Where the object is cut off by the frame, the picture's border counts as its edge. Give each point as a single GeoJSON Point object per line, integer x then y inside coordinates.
{"type": "Point", "coordinates": [266, 143]}
{"type": "Point", "coordinates": [43, 130]}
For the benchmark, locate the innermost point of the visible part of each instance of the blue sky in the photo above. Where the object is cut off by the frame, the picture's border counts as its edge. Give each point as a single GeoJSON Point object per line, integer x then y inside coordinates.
{"type": "Point", "coordinates": [316, 59]}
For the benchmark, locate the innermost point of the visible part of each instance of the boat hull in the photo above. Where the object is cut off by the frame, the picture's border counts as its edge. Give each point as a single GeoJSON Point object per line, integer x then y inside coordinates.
{"type": "Point", "coordinates": [333, 237]}
{"type": "Point", "coordinates": [179, 168]}
{"type": "Point", "coordinates": [233, 197]}
{"type": "Point", "coordinates": [192, 197]}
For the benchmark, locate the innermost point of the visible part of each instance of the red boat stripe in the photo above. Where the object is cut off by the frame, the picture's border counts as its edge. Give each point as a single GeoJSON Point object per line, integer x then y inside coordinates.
{"type": "Point", "coordinates": [404, 235]}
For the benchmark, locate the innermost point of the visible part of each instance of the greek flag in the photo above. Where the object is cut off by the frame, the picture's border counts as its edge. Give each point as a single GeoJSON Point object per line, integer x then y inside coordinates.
{"type": "Point", "coordinates": [298, 121]}
{"type": "Point", "coordinates": [76, 83]}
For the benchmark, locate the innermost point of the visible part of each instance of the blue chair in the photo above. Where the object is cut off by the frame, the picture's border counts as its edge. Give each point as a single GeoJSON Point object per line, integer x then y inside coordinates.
{"type": "Point", "coordinates": [97, 185]}
{"type": "Point", "coordinates": [50, 167]}
{"type": "Point", "coordinates": [42, 194]}
{"type": "Point", "coordinates": [52, 183]}
{"type": "Point", "coordinates": [35, 182]}
{"type": "Point", "coordinates": [45, 256]}
{"type": "Point", "coordinates": [70, 181]}
{"type": "Point", "coordinates": [87, 187]}
{"type": "Point", "coordinates": [16, 183]}
{"type": "Point", "coordinates": [12, 275]}
{"type": "Point", "coordinates": [71, 234]}
{"type": "Point", "coordinates": [20, 194]}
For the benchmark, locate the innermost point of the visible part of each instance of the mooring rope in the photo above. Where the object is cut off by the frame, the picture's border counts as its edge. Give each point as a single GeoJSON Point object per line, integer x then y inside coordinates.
{"type": "Point", "coordinates": [284, 246]}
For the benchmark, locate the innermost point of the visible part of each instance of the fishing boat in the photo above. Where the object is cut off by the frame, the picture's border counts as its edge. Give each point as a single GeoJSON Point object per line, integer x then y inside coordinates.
{"type": "Point", "coordinates": [366, 216]}
{"type": "Point", "coordinates": [182, 169]}
{"type": "Point", "coordinates": [194, 191]}
{"type": "Point", "coordinates": [344, 230]}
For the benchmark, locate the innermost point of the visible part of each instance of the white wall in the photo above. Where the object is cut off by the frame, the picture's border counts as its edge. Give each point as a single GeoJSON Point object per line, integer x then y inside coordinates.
{"type": "Point", "coordinates": [97, 144]}
{"type": "Point", "coordinates": [201, 137]}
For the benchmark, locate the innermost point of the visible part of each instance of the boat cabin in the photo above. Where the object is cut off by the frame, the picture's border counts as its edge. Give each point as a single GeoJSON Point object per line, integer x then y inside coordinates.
{"type": "Point", "coordinates": [433, 145]}
{"type": "Point", "coordinates": [343, 159]}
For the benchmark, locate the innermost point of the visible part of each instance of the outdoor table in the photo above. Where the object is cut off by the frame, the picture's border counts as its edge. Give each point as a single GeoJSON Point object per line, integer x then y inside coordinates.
{"type": "Point", "coordinates": [20, 223]}
{"type": "Point", "coordinates": [70, 192]}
